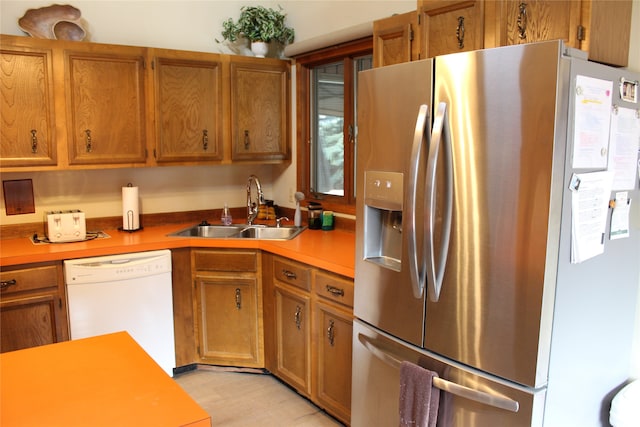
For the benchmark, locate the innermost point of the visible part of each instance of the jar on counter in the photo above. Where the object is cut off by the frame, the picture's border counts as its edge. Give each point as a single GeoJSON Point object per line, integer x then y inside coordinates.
{"type": "Point", "coordinates": [314, 215]}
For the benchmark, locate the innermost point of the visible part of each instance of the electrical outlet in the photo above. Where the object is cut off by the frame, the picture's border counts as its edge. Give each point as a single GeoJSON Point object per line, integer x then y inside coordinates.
{"type": "Point", "coordinates": [291, 195]}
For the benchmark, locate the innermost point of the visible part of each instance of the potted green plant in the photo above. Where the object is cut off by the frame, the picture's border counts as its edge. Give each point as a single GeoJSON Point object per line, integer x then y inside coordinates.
{"type": "Point", "coordinates": [258, 24]}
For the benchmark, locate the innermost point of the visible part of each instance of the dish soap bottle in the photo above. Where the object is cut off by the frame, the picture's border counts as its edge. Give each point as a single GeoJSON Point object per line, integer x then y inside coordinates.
{"type": "Point", "coordinates": [226, 215]}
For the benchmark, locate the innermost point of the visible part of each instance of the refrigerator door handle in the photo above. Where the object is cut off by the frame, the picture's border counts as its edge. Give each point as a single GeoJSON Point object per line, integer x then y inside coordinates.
{"type": "Point", "coordinates": [440, 136]}
{"type": "Point", "coordinates": [417, 277]}
{"type": "Point", "coordinates": [482, 397]}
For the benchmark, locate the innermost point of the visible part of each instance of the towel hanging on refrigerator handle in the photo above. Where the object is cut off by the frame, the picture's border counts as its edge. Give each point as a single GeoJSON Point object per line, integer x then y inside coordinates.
{"type": "Point", "coordinates": [459, 390]}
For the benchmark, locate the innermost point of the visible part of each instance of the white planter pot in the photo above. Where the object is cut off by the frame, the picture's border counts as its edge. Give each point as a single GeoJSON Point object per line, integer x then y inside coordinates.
{"type": "Point", "coordinates": [260, 49]}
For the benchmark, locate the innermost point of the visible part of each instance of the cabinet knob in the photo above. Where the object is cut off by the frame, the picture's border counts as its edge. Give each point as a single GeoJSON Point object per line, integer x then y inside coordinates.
{"type": "Point", "coordinates": [331, 333]}
{"type": "Point", "coordinates": [247, 140]}
{"type": "Point", "coordinates": [205, 139]}
{"type": "Point", "coordinates": [88, 142]}
{"type": "Point", "coordinates": [238, 298]}
{"type": "Point", "coordinates": [289, 274]}
{"type": "Point", "coordinates": [34, 141]}
{"type": "Point", "coordinates": [522, 21]}
{"type": "Point", "coordinates": [298, 316]}
{"type": "Point", "coordinates": [336, 292]}
{"type": "Point", "coordinates": [460, 32]}
{"type": "Point", "coordinates": [6, 283]}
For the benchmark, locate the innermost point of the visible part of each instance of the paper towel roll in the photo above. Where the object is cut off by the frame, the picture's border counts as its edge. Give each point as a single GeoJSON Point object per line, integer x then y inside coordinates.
{"type": "Point", "coordinates": [130, 209]}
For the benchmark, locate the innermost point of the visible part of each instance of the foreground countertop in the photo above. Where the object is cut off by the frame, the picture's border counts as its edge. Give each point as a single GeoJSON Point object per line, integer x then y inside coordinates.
{"type": "Point", "coordinates": [329, 250]}
{"type": "Point", "coordinates": [106, 380]}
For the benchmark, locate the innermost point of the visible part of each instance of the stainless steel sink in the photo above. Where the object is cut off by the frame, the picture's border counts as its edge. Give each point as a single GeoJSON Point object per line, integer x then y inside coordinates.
{"type": "Point", "coordinates": [239, 231]}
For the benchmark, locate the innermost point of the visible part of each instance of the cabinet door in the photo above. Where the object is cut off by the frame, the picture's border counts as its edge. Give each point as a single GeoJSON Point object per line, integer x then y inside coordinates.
{"type": "Point", "coordinates": [28, 322]}
{"type": "Point", "coordinates": [293, 356]}
{"type": "Point", "coordinates": [106, 105]}
{"type": "Point", "coordinates": [259, 109]}
{"type": "Point", "coordinates": [27, 110]}
{"type": "Point", "coordinates": [533, 20]}
{"type": "Point", "coordinates": [228, 320]}
{"type": "Point", "coordinates": [451, 26]}
{"type": "Point", "coordinates": [33, 309]}
{"type": "Point", "coordinates": [334, 330]}
{"type": "Point", "coordinates": [188, 102]}
{"type": "Point", "coordinates": [393, 39]}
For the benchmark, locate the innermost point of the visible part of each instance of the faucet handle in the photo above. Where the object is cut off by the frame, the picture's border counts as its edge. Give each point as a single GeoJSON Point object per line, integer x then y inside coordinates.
{"type": "Point", "coordinates": [279, 221]}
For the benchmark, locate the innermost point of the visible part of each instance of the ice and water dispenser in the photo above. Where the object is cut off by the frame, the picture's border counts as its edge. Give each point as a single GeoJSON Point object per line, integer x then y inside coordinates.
{"type": "Point", "coordinates": [383, 203]}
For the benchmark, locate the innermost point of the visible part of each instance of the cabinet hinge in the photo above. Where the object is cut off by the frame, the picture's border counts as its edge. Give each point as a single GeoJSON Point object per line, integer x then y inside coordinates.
{"type": "Point", "coordinates": [60, 303]}
{"type": "Point", "coordinates": [581, 32]}
{"type": "Point", "coordinates": [410, 34]}
{"type": "Point", "coordinates": [155, 155]}
{"type": "Point", "coordinates": [153, 64]}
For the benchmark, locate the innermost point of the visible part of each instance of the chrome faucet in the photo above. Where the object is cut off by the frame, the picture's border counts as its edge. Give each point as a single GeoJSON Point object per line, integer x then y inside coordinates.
{"type": "Point", "coordinates": [252, 206]}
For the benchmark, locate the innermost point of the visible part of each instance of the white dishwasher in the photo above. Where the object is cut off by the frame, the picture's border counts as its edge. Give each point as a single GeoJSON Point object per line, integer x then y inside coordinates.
{"type": "Point", "coordinates": [128, 292]}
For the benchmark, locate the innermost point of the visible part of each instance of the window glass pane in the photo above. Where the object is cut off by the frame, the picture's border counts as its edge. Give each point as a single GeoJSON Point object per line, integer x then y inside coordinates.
{"type": "Point", "coordinates": [327, 154]}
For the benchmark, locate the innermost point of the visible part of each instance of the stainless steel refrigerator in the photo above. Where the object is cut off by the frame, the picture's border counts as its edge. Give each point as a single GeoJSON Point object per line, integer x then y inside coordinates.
{"type": "Point", "coordinates": [466, 175]}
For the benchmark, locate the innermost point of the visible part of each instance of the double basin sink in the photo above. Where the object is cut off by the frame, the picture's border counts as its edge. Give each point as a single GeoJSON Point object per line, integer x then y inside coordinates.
{"type": "Point", "coordinates": [239, 231]}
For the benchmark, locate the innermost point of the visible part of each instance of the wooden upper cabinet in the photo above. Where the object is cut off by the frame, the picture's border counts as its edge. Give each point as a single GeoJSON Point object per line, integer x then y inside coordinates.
{"type": "Point", "coordinates": [27, 109]}
{"type": "Point", "coordinates": [106, 104]}
{"type": "Point", "coordinates": [188, 106]}
{"type": "Point", "coordinates": [259, 109]}
{"type": "Point", "coordinates": [450, 26]}
{"type": "Point", "coordinates": [395, 39]}
{"type": "Point", "coordinates": [533, 21]}
{"type": "Point", "coordinates": [607, 30]}
{"type": "Point", "coordinates": [599, 27]}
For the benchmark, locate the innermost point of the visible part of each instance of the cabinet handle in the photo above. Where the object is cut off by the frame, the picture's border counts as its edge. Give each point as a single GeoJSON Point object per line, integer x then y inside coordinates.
{"type": "Point", "coordinates": [34, 141]}
{"type": "Point", "coordinates": [6, 283]}
{"type": "Point", "coordinates": [289, 274]}
{"type": "Point", "coordinates": [238, 298]}
{"type": "Point", "coordinates": [205, 139]}
{"type": "Point", "coordinates": [247, 140]}
{"type": "Point", "coordinates": [460, 32]}
{"type": "Point", "coordinates": [522, 21]}
{"type": "Point", "coordinates": [297, 317]}
{"type": "Point", "coordinates": [88, 143]}
{"type": "Point", "coordinates": [336, 292]}
{"type": "Point", "coordinates": [330, 333]}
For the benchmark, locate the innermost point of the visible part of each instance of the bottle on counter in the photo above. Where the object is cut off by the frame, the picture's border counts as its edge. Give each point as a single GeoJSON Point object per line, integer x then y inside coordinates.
{"type": "Point", "coordinates": [226, 218]}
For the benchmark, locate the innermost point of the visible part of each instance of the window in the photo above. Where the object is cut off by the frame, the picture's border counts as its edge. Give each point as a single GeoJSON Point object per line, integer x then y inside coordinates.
{"type": "Point", "coordinates": [327, 111]}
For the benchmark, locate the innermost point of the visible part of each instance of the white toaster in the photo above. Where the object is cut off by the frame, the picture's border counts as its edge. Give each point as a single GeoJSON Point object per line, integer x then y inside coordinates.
{"type": "Point", "coordinates": [65, 226]}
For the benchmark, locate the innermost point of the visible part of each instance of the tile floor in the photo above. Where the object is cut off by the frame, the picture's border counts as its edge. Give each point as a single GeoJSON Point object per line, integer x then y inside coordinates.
{"type": "Point", "coordinates": [240, 399]}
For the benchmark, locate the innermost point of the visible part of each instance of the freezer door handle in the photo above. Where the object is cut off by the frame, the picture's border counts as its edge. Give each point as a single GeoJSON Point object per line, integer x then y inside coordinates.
{"type": "Point", "coordinates": [440, 138]}
{"type": "Point", "coordinates": [416, 273]}
{"type": "Point", "coordinates": [482, 397]}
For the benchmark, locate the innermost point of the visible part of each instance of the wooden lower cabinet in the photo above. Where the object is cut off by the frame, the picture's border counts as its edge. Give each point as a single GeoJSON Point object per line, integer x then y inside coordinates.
{"type": "Point", "coordinates": [334, 327]}
{"type": "Point", "coordinates": [228, 307]}
{"type": "Point", "coordinates": [293, 332]}
{"type": "Point", "coordinates": [309, 317]}
{"type": "Point", "coordinates": [33, 307]}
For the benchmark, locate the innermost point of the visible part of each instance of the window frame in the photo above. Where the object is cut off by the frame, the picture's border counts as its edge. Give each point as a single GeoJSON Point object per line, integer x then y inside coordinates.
{"type": "Point", "coordinates": [304, 63]}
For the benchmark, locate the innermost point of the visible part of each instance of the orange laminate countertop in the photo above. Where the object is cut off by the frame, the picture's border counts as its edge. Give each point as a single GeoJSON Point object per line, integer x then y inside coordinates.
{"type": "Point", "coordinates": [106, 380]}
{"type": "Point", "coordinates": [329, 250]}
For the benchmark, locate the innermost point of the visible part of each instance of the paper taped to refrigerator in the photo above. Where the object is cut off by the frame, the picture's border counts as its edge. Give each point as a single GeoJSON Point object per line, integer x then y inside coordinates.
{"type": "Point", "coordinates": [623, 147]}
{"type": "Point", "coordinates": [593, 100]}
{"type": "Point", "coordinates": [589, 208]}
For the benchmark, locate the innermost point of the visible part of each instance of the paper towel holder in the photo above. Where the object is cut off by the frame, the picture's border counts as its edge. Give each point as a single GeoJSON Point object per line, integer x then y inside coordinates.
{"type": "Point", "coordinates": [129, 219]}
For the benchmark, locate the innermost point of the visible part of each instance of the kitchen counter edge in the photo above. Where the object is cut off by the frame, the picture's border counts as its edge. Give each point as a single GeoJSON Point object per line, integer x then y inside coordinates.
{"type": "Point", "coordinates": [329, 250]}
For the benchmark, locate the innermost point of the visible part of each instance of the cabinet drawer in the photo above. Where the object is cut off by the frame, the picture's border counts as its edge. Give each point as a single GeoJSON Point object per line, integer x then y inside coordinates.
{"type": "Point", "coordinates": [28, 279]}
{"type": "Point", "coordinates": [291, 273]}
{"type": "Point", "coordinates": [334, 288]}
{"type": "Point", "coordinates": [241, 261]}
